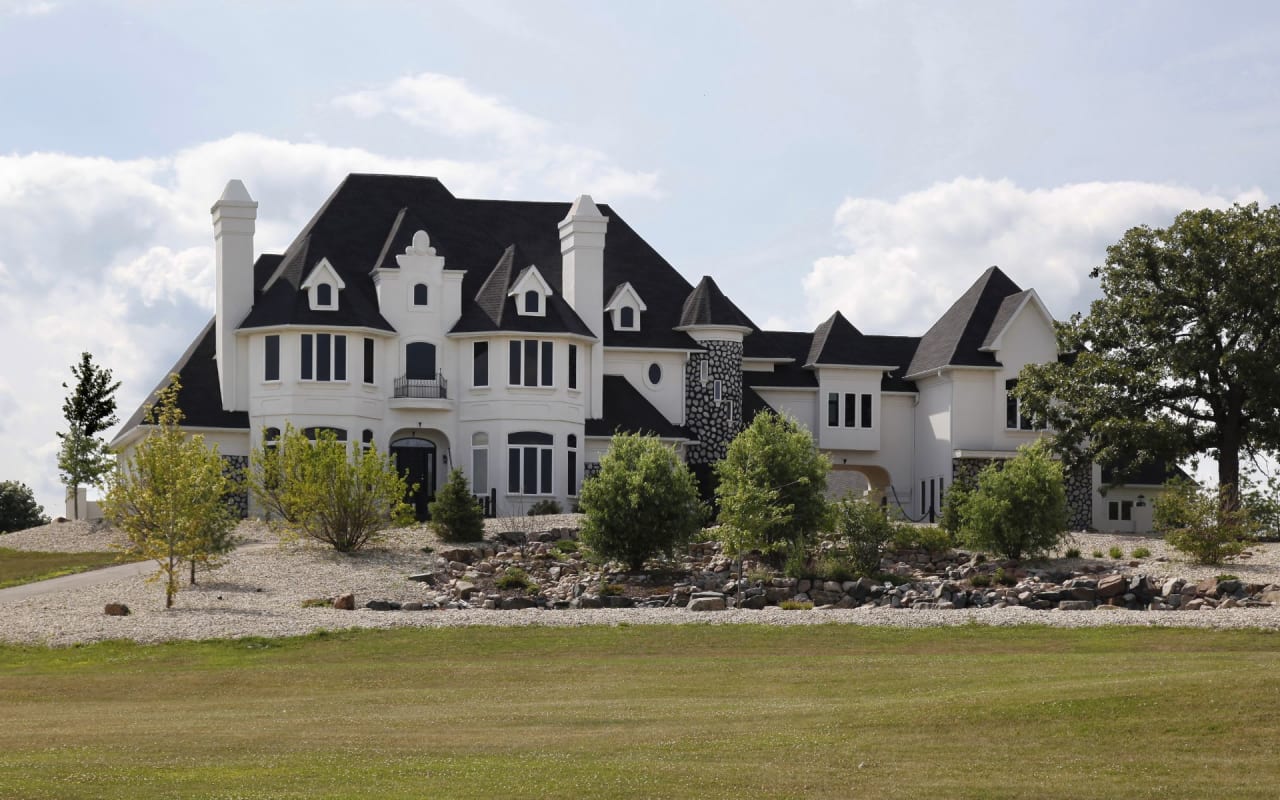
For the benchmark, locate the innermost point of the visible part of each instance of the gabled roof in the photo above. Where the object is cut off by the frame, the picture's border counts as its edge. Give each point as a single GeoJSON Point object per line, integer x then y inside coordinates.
{"type": "Point", "coordinates": [752, 405]}
{"type": "Point", "coordinates": [834, 342]}
{"type": "Point", "coordinates": [707, 305]}
{"type": "Point", "coordinates": [627, 411]}
{"type": "Point", "coordinates": [957, 337]}
{"type": "Point", "coordinates": [200, 397]}
{"type": "Point", "coordinates": [495, 310]}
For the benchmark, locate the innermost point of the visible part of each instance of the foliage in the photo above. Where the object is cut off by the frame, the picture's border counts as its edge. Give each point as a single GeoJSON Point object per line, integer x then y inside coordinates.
{"type": "Point", "coordinates": [643, 501]}
{"type": "Point", "coordinates": [1178, 356]}
{"type": "Point", "coordinates": [514, 578]}
{"type": "Point", "coordinates": [1019, 507]}
{"type": "Point", "coordinates": [980, 580]}
{"type": "Point", "coordinates": [796, 605]}
{"type": "Point", "coordinates": [545, 507]}
{"type": "Point", "coordinates": [318, 602]}
{"type": "Point", "coordinates": [835, 566]}
{"type": "Point", "coordinates": [772, 486]}
{"type": "Point", "coordinates": [89, 409]}
{"type": "Point", "coordinates": [456, 515]}
{"type": "Point", "coordinates": [1140, 552]}
{"type": "Point", "coordinates": [1115, 552]}
{"type": "Point", "coordinates": [1096, 554]}
{"type": "Point", "coordinates": [18, 507]}
{"type": "Point", "coordinates": [933, 538]}
{"type": "Point", "coordinates": [611, 589]}
{"type": "Point", "coordinates": [950, 520]}
{"type": "Point", "coordinates": [865, 531]}
{"type": "Point", "coordinates": [1198, 523]}
{"type": "Point", "coordinates": [1073, 552]}
{"type": "Point", "coordinates": [1004, 578]}
{"type": "Point", "coordinates": [169, 497]}
{"type": "Point", "coordinates": [324, 490]}
{"type": "Point", "coordinates": [566, 546]}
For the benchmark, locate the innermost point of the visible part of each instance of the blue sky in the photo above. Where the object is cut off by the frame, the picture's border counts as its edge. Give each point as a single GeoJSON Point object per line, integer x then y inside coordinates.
{"type": "Point", "coordinates": [872, 157]}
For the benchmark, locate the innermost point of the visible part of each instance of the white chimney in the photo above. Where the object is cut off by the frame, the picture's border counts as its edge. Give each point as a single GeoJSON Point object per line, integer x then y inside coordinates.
{"type": "Point", "coordinates": [234, 216]}
{"type": "Point", "coordinates": [582, 280]}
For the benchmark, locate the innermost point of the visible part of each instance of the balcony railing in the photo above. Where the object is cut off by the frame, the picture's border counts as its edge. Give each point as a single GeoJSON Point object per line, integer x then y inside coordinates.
{"type": "Point", "coordinates": [436, 388]}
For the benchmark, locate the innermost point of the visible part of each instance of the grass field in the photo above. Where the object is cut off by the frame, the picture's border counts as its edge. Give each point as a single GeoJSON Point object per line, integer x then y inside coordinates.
{"type": "Point", "coordinates": [24, 566]}
{"type": "Point", "coordinates": [680, 711]}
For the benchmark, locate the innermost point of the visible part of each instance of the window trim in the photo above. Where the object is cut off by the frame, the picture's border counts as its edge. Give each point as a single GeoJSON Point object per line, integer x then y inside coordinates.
{"type": "Point", "coordinates": [571, 485]}
{"type": "Point", "coordinates": [271, 342]}
{"type": "Point", "coordinates": [573, 367]}
{"type": "Point", "coordinates": [525, 362]}
{"type": "Point", "coordinates": [530, 449]}
{"type": "Point", "coordinates": [370, 364]}
{"type": "Point", "coordinates": [426, 296]}
{"type": "Point", "coordinates": [309, 355]}
{"type": "Point", "coordinates": [480, 348]}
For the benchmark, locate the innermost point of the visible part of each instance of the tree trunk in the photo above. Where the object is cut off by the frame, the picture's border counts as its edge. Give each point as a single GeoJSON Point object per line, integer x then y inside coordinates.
{"type": "Point", "coordinates": [193, 572]}
{"type": "Point", "coordinates": [1229, 462]}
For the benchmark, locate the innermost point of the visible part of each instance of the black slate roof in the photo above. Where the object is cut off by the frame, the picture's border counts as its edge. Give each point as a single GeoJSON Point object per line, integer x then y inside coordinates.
{"type": "Point", "coordinates": [956, 338]}
{"type": "Point", "coordinates": [627, 411]}
{"type": "Point", "coordinates": [493, 310]}
{"type": "Point", "coordinates": [707, 305]}
{"type": "Point", "coordinates": [1146, 474]}
{"type": "Point", "coordinates": [369, 219]}
{"type": "Point", "coordinates": [834, 342]}
{"type": "Point", "coordinates": [753, 405]}
{"type": "Point", "coordinates": [841, 348]}
{"type": "Point", "coordinates": [200, 397]}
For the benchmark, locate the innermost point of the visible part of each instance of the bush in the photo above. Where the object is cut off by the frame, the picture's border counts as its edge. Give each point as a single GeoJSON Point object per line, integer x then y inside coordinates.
{"type": "Point", "coordinates": [865, 530]}
{"type": "Point", "coordinates": [833, 567]}
{"type": "Point", "coordinates": [1141, 552]}
{"type": "Point", "coordinates": [611, 589]}
{"type": "Point", "coordinates": [795, 605]}
{"type": "Point", "coordinates": [771, 487]}
{"type": "Point", "coordinates": [1003, 578]}
{"type": "Point", "coordinates": [1073, 552]}
{"type": "Point", "coordinates": [980, 580]}
{"type": "Point", "coordinates": [950, 519]}
{"type": "Point", "coordinates": [18, 508]}
{"type": "Point", "coordinates": [544, 508]}
{"type": "Point", "coordinates": [456, 515]}
{"type": "Point", "coordinates": [1019, 508]}
{"type": "Point", "coordinates": [318, 602]}
{"type": "Point", "coordinates": [922, 537]}
{"type": "Point", "coordinates": [1195, 522]}
{"type": "Point", "coordinates": [643, 501]}
{"type": "Point", "coordinates": [342, 496]}
{"type": "Point", "coordinates": [1115, 552]}
{"type": "Point", "coordinates": [566, 546]}
{"type": "Point", "coordinates": [514, 578]}
{"type": "Point", "coordinates": [1096, 554]}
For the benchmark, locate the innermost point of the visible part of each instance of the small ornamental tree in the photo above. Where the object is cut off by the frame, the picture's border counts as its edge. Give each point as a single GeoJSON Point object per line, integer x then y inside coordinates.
{"type": "Point", "coordinates": [90, 409]}
{"type": "Point", "coordinates": [865, 530]}
{"type": "Point", "coordinates": [18, 508]}
{"type": "Point", "coordinates": [456, 515]}
{"type": "Point", "coordinates": [1019, 508]}
{"type": "Point", "coordinates": [773, 462]}
{"type": "Point", "coordinates": [643, 501]}
{"type": "Point", "coordinates": [1197, 522]}
{"type": "Point", "coordinates": [324, 490]}
{"type": "Point", "coordinates": [170, 496]}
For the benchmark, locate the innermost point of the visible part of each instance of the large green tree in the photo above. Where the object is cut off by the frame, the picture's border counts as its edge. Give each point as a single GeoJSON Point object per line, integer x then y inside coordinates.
{"type": "Point", "coordinates": [18, 507]}
{"type": "Point", "coordinates": [1179, 356]}
{"type": "Point", "coordinates": [89, 409]}
{"type": "Point", "coordinates": [169, 496]}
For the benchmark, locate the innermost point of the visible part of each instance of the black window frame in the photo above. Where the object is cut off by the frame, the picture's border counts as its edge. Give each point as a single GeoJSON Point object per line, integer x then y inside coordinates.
{"type": "Point", "coordinates": [531, 363]}
{"type": "Point", "coordinates": [421, 298]}
{"type": "Point", "coordinates": [573, 366]}
{"type": "Point", "coordinates": [324, 358]}
{"type": "Point", "coordinates": [324, 295]}
{"type": "Point", "coordinates": [530, 464]}
{"type": "Point", "coordinates": [271, 357]}
{"type": "Point", "coordinates": [864, 411]}
{"type": "Point", "coordinates": [480, 364]}
{"type": "Point", "coordinates": [370, 374]}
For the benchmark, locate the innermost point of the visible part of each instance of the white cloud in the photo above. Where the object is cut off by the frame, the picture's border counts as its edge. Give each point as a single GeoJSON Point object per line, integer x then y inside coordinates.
{"type": "Point", "coordinates": [908, 259]}
{"type": "Point", "coordinates": [530, 145]}
{"type": "Point", "coordinates": [27, 8]}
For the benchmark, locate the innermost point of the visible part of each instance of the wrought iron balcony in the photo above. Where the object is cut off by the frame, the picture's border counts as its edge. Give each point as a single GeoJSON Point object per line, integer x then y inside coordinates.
{"type": "Point", "coordinates": [436, 388]}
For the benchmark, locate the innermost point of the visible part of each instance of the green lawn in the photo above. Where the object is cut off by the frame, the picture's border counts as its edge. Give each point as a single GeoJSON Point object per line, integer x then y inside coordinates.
{"type": "Point", "coordinates": [24, 566]}
{"type": "Point", "coordinates": [679, 711]}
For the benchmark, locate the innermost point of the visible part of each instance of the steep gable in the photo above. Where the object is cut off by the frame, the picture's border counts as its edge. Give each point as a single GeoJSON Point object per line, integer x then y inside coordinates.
{"type": "Point", "coordinates": [956, 339]}
{"type": "Point", "coordinates": [707, 305]}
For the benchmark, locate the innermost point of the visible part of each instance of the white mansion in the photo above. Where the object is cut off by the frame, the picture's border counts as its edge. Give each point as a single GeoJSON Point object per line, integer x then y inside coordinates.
{"type": "Point", "coordinates": [512, 339]}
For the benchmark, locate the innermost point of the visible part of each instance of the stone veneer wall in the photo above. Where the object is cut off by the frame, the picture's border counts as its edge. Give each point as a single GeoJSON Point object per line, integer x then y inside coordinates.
{"type": "Point", "coordinates": [237, 467]}
{"type": "Point", "coordinates": [713, 424]}
{"type": "Point", "coordinates": [1078, 485]}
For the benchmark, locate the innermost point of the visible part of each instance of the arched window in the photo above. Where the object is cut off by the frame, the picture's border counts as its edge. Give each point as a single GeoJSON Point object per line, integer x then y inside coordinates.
{"type": "Point", "coordinates": [313, 432]}
{"type": "Point", "coordinates": [420, 361]}
{"type": "Point", "coordinates": [529, 462]}
{"type": "Point", "coordinates": [366, 439]}
{"type": "Point", "coordinates": [420, 294]}
{"type": "Point", "coordinates": [531, 301]}
{"type": "Point", "coordinates": [324, 294]}
{"type": "Point", "coordinates": [271, 437]}
{"type": "Point", "coordinates": [627, 318]}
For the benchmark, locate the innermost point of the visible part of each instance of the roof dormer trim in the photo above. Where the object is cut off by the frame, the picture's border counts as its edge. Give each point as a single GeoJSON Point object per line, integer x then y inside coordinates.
{"type": "Point", "coordinates": [530, 280]}
{"type": "Point", "coordinates": [995, 342]}
{"type": "Point", "coordinates": [323, 274]}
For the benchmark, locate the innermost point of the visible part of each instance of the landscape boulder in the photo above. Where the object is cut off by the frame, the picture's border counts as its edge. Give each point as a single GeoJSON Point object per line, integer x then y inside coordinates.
{"type": "Point", "coordinates": [345, 602]}
{"type": "Point", "coordinates": [116, 610]}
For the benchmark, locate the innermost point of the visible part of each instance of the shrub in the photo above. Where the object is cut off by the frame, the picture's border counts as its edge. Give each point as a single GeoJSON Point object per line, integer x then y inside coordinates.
{"type": "Point", "coordinates": [771, 487]}
{"type": "Point", "coordinates": [1073, 552]}
{"type": "Point", "coordinates": [318, 602]}
{"type": "Point", "coordinates": [342, 496]}
{"type": "Point", "coordinates": [456, 515]}
{"type": "Point", "coordinates": [566, 546]}
{"type": "Point", "coordinates": [980, 579]}
{"type": "Point", "coordinates": [514, 578]}
{"type": "Point", "coordinates": [1019, 508]}
{"type": "Point", "coordinates": [1226, 576]}
{"type": "Point", "coordinates": [922, 537]}
{"type": "Point", "coordinates": [1197, 523]}
{"type": "Point", "coordinates": [950, 519]}
{"type": "Point", "coordinates": [544, 508]}
{"type": "Point", "coordinates": [1096, 554]}
{"type": "Point", "coordinates": [865, 530]}
{"type": "Point", "coordinates": [1115, 552]}
{"type": "Point", "coordinates": [611, 589]}
{"type": "Point", "coordinates": [1003, 578]}
{"type": "Point", "coordinates": [832, 567]}
{"type": "Point", "coordinates": [18, 508]}
{"type": "Point", "coordinates": [1141, 552]}
{"type": "Point", "coordinates": [795, 605]}
{"type": "Point", "coordinates": [643, 501]}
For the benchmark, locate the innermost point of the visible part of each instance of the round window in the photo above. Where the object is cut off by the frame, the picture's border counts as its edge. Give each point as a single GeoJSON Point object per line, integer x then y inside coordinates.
{"type": "Point", "coordinates": [655, 374]}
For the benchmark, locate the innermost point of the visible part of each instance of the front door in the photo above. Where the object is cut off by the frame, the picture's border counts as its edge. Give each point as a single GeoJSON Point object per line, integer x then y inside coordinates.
{"type": "Point", "coordinates": [417, 458]}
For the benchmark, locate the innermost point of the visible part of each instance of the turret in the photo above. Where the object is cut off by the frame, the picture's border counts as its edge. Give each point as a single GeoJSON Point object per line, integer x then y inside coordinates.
{"type": "Point", "coordinates": [234, 217]}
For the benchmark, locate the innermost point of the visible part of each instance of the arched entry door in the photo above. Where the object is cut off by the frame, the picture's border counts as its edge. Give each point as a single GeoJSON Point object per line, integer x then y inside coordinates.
{"type": "Point", "coordinates": [417, 457]}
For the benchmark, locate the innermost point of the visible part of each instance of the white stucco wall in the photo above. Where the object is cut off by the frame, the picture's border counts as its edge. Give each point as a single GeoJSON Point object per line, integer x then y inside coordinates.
{"type": "Point", "coordinates": [668, 395]}
{"type": "Point", "coordinates": [801, 404]}
{"type": "Point", "coordinates": [842, 382]}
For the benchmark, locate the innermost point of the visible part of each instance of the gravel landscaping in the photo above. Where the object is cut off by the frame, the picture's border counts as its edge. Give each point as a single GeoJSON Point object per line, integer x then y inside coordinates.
{"type": "Point", "coordinates": [261, 589]}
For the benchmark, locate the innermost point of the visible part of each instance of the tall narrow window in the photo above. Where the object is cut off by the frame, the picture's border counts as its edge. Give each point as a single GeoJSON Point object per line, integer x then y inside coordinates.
{"type": "Point", "coordinates": [531, 362]}
{"type": "Point", "coordinates": [850, 408]}
{"type": "Point", "coordinates": [479, 363]}
{"type": "Point", "coordinates": [324, 295]}
{"type": "Point", "coordinates": [366, 440]}
{"type": "Point", "coordinates": [307, 360]}
{"type": "Point", "coordinates": [717, 392]}
{"type": "Point", "coordinates": [531, 302]}
{"type": "Point", "coordinates": [339, 358]}
{"type": "Point", "coordinates": [704, 371]}
{"type": "Point", "coordinates": [271, 370]}
{"type": "Point", "coordinates": [573, 366]}
{"type": "Point", "coordinates": [865, 419]}
{"type": "Point", "coordinates": [513, 359]}
{"type": "Point", "coordinates": [420, 361]}
{"type": "Point", "coordinates": [548, 361]}
{"type": "Point", "coordinates": [419, 294]}
{"type": "Point", "coordinates": [323, 365]}
{"type": "Point", "coordinates": [833, 409]}
{"type": "Point", "coordinates": [571, 466]}
{"type": "Point", "coordinates": [480, 463]}
{"type": "Point", "coordinates": [627, 318]}
{"type": "Point", "coordinates": [529, 463]}
{"type": "Point", "coordinates": [368, 361]}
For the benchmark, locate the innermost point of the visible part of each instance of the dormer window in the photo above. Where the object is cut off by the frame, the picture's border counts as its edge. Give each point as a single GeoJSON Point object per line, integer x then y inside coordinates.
{"type": "Point", "coordinates": [530, 291]}
{"type": "Point", "coordinates": [625, 305]}
{"type": "Point", "coordinates": [323, 286]}
{"type": "Point", "coordinates": [420, 294]}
